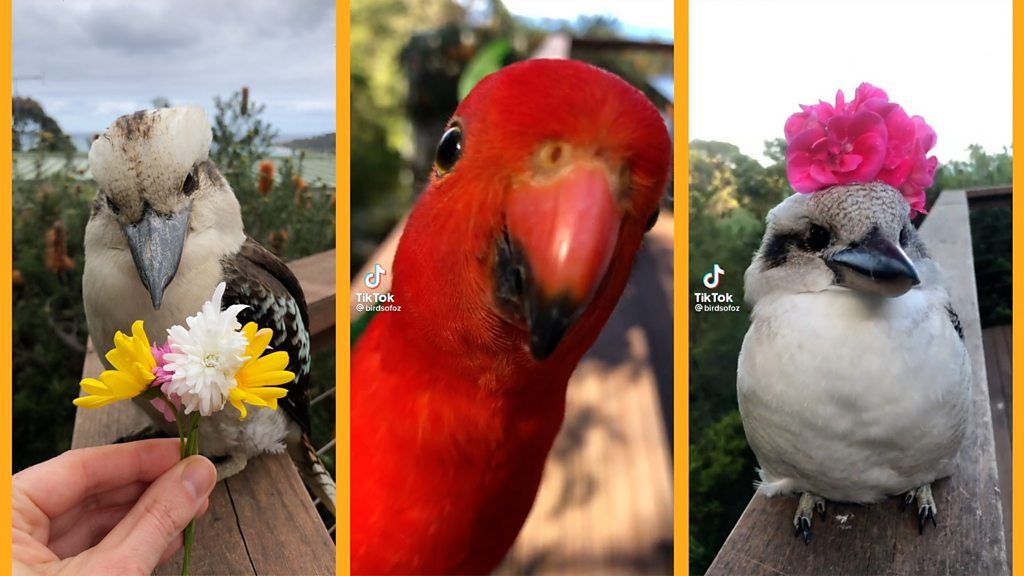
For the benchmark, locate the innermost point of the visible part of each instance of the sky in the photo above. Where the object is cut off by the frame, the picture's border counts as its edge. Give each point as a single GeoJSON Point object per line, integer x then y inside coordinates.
{"type": "Point", "coordinates": [103, 58]}
{"type": "Point", "coordinates": [641, 19]}
{"type": "Point", "coordinates": [753, 62]}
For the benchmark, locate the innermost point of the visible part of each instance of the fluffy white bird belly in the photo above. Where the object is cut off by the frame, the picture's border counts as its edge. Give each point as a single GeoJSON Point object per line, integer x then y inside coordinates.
{"type": "Point", "coordinates": [853, 398]}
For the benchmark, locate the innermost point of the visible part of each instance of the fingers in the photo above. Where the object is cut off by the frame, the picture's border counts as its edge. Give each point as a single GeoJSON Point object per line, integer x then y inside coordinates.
{"type": "Point", "coordinates": [91, 526]}
{"type": "Point", "coordinates": [73, 519]}
{"type": "Point", "coordinates": [154, 524]}
{"type": "Point", "coordinates": [57, 485]}
{"type": "Point", "coordinates": [90, 529]}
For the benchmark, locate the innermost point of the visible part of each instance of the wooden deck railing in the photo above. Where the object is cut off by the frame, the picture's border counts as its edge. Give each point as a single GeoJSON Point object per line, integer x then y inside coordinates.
{"type": "Point", "coordinates": [261, 521]}
{"type": "Point", "coordinates": [881, 539]}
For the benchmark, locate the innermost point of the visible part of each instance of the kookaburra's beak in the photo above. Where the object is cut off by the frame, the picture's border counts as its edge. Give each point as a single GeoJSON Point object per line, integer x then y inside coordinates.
{"type": "Point", "coordinates": [156, 242]}
{"type": "Point", "coordinates": [875, 265]}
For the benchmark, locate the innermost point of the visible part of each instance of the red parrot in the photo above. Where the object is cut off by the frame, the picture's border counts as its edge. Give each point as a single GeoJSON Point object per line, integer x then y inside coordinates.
{"type": "Point", "coordinates": [545, 180]}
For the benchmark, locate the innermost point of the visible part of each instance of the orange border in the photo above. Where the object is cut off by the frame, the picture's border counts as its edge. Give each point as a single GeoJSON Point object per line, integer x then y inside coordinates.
{"type": "Point", "coordinates": [342, 242]}
{"type": "Point", "coordinates": [6, 319]}
{"type": "Point", "coordinates": [1018, 290]}
{"type": "Point", "coordinates": [681, 388]}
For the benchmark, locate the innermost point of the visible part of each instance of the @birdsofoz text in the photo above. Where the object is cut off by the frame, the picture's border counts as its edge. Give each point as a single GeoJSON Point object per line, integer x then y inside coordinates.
{"type": "Point", "coordinates": [713, 302]}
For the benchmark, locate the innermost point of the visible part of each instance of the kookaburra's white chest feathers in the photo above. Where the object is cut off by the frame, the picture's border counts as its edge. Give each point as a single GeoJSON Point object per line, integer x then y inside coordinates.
{"type": "Point", "coordinates": [853, 398]}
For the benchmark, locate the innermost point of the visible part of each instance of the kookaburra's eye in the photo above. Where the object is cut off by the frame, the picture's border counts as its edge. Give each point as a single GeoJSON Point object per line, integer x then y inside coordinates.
{"type": "Point", "coordinates": [190, 184]}
{"type": "Point", "coordinates": [449, 149]}
{"type": "Point", "coordinates": [818, 238]}
{"type": "Point", "coordinates": [113, 207]}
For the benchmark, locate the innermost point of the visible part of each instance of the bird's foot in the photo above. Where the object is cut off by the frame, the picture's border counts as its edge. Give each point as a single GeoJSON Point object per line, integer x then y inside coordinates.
{"type": "Point", "coordinates": [229, 465]}
{"type": "Point", "coordinates": [804, 510]}
{"type": "Point", "coordinates": [926, 509]}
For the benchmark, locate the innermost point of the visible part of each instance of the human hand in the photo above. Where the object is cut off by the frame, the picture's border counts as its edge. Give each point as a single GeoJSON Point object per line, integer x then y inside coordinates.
{"type": "Point", "coordinates": [116, 509]}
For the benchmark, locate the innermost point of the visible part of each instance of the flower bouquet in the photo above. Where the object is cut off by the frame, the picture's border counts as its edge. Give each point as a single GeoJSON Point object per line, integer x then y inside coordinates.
{"type": "Point", "coordinates": [200, 368]}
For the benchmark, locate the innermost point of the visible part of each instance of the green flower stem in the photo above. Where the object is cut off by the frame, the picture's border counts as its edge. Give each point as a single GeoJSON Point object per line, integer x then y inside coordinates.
{"type": "Point", "coordinates": [190, 448]}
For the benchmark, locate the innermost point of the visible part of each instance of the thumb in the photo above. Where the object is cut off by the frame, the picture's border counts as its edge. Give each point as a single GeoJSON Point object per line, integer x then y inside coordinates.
{"type": "Point", "coordinates": [163, 511]}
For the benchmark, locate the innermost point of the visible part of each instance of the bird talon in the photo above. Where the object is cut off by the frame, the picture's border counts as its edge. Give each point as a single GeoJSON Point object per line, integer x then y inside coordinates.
{"type": "Point", "coordinates": [926, 509]}
{"type": "Point", "coordinates": [803, 529]}
{"type": "Point", "coordinates": [804, 512]}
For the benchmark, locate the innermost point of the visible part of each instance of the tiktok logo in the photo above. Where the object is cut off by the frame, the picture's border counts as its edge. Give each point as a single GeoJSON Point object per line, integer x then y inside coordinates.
{"type": "Point", "coordinates": [372, 279]}
{"type": "Point", "coordinates": [711, 278]}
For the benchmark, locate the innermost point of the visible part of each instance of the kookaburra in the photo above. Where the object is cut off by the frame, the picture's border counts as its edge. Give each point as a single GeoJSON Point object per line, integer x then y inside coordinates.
{"type": "Point", "coordinates": [854, 382]}
{"type": "Point", "coordinates": [165, 230]}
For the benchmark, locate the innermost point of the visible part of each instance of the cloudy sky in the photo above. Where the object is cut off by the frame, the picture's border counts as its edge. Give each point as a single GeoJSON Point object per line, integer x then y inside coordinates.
{"type": "Point", "coordinates": [103, 58]}
{"type": "Point", "coordinates": [753, 62]}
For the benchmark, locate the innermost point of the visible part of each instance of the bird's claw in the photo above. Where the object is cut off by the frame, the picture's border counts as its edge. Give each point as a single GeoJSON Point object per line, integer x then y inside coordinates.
{"type": "Point", "coordinates": [803, 528]}
{"type": "Point", "coordinates": [923, 514]}
{"type": "Point", "coordinates": [926, 509]}
{"type": "Point", "coordinates": [804, 511]}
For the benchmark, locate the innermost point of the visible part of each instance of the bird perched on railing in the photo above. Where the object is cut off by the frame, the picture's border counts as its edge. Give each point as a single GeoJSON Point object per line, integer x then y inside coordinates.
{"type": "Point", "coordinates": [164, 231]}
{"type": "Point", "coordinates": [853, 379]}
{"type": "Point", "coordinates": [511, 262]}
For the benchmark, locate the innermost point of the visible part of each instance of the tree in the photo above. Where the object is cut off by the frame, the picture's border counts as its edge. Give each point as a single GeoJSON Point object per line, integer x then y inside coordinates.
{"type": "Point", "coordinates": [33, 129]}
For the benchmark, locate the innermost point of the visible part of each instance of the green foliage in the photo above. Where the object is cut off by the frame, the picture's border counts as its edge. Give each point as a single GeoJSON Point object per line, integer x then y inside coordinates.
{"type": "Point", "coordinates": [721, 484]}
{"type": "Point", "coordinates": [33, 129]}
{"type": "Point", "coordinates": [283, 212]}
{"type": "Point", "coordinates": [490, 58]}
{"type": "Point", "coordinates": [48, 319]}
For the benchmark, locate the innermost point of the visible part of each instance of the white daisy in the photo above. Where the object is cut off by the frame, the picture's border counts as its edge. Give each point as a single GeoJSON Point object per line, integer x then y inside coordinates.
{"type": "Point", "coordinates": [205, 357]}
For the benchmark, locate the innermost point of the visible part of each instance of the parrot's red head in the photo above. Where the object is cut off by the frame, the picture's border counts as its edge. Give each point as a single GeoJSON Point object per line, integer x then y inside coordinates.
{"type": "Point", "coordinates": [545, 180]}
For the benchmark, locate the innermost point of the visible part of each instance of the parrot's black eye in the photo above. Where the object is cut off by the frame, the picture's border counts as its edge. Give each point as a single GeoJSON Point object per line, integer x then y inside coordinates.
{"type": "Point", "coordinates": [449, 149]}
{"type": "Point", "coordinates": [651, 221]}
{"type": "Point", "coordinates": [905, 236]}
{"type": "Point", "coordinates": [818, 238]}
{"type": "Point", "coordinates": [113, 206]}
{"type": "Point", "coordinates": [190, 184]}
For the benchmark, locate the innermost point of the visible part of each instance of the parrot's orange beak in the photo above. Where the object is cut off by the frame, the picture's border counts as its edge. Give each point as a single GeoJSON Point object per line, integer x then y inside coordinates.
{"type": "Point", "coordinates": [561, 233]}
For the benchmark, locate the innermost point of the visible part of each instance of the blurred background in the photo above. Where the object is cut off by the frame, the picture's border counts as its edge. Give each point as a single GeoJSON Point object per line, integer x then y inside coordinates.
{"type": "Point", "coordinates": [264, 72]}
{"type": "Point", "coordinates": [605, 505]}
{"type": "Point", "coordinates": [959, 81]}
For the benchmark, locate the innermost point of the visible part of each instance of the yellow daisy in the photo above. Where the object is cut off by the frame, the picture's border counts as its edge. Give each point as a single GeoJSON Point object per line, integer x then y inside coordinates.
{"type": "Point", "coordinates": [256, 379]}
{"type": "Point", "coordinates": [133, 362]}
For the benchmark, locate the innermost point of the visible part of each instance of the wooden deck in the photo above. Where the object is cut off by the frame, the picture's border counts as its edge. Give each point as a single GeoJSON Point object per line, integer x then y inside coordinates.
{"type": "Point", "coordinates": [262, 520]}
{"type": "Point", "coordinates": [998, 364]}
{"type": "Point", "coordinates": [880, 539]}
{"type": "Point", "coordinates": [605, 502]}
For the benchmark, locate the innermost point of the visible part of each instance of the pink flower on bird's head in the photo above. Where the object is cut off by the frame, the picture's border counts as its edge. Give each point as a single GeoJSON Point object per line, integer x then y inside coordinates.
{"type": "Point", "coordinates": [868, 139]}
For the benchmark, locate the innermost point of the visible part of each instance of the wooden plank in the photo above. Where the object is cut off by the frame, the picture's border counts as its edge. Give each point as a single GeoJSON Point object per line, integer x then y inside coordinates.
{"type": "Point", "coordinates": [261, 521]}
{"type": "Point", "coordinates": [880, 539]}
{"type": "Point", "coordinates": [998, 365]}
{"type": "Point", "coordinates": [605, 502]}
{"type": "Point", "coordinates": [272, 508]}
{"type": "Point", "coordinates": [219, 547]}
{"type": "Point", "coordinates": [317, 274]}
